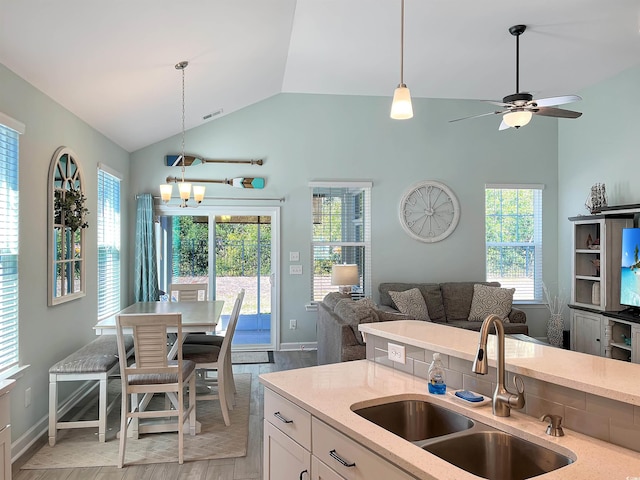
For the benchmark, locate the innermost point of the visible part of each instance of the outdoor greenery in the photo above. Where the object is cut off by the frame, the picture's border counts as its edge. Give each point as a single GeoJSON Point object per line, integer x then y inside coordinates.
{"type": "Point", "coordinates": [237, 248]}
{"type": "Point", "coordinates": [510, 221]}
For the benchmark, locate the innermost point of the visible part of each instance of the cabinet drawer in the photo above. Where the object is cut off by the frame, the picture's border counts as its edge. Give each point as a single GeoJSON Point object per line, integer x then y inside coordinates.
{"type": "Point", "coordinates": [288, 417]}
{"type": "Point", "coordinates": [349, 459]}
{"type": "Point", "coordinates": [319, 471]}
{"type": "Point", "coordinates": [5, 409]}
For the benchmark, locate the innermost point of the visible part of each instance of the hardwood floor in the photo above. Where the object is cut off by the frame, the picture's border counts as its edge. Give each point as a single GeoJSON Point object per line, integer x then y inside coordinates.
{"type": "Point", "coordinates": [244, 468]}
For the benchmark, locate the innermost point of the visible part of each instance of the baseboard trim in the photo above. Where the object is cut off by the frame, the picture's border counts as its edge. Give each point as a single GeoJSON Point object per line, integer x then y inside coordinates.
{"type": "Point", "coordinates": [295, 346]}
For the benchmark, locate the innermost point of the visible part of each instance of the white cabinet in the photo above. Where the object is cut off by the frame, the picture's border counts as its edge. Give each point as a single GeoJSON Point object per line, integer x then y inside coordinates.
{"type": "Point", "coordinates": [586, 332]}
{"type": "Point", "coordinates": [298, 446]}
{"type": "Point", "coordinates": [5, 429]}
{"type": "Point", "coordinates": [595, 262]}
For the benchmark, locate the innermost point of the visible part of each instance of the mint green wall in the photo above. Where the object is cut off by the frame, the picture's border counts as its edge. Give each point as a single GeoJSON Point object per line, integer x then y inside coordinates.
{"type": "Point", "coordinates": [324, 137]}
{"type": "Point", "coordinates": [48, 334]}
{"type": "Point", "coordinates": [601, 146]}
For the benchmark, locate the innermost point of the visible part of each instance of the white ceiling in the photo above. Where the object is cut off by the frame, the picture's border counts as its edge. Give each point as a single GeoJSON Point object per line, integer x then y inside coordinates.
{"type": "Point", "coordinates": [112, 62]}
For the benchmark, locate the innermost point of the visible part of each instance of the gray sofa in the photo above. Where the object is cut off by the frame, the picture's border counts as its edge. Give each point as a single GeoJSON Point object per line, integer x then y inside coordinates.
{"type": "Point", "coordinates": [448, 303]}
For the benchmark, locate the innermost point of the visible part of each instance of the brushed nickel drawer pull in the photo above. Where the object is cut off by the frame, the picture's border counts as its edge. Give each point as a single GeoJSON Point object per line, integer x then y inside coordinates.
{"type": "Point", "coordinates": [279, 416]}
{"type": "Point", "coordinates": [337, 457]}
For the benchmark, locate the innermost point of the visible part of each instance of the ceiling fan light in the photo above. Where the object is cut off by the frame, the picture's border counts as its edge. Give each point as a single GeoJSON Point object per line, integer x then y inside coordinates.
{"type": "Point", "coordinates": [401, 108]}
{"type": "Point", "coordinates": [517, 118]}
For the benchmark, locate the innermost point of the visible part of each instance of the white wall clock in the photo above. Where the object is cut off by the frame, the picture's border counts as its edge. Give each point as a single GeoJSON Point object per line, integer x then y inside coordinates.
{"type": "Point", "coordinates": [429, 211]}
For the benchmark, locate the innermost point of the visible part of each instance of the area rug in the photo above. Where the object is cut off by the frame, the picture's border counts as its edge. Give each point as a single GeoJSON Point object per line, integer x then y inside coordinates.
{"type": "Point", "coordinates": [251, 357]}
{"type": "Point", "coordinates": [80, 447]}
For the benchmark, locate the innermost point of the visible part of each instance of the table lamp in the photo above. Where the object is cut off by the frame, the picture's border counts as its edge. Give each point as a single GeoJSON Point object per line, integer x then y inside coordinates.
{"type": "Point", "coordinates": [344, 275]}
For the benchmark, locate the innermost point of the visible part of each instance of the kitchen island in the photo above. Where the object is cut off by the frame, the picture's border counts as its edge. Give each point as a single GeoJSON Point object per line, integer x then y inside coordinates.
{"type": "Point", "coordinates": [328, 393]}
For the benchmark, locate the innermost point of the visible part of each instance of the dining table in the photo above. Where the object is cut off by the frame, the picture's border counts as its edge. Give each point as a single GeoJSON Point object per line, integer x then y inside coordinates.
{"type": "Point", "coordinates": [196, 317]}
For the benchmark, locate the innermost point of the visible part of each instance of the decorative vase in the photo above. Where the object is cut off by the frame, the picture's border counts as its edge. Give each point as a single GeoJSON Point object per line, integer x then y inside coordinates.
{"type": "Point", "coordinates": [555, 327]}
{"type": "Point", "coordinates": [595, 293]}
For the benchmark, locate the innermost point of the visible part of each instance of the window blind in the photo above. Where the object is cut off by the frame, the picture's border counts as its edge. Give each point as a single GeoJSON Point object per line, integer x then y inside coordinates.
{"type": "Point", "coordinates": [108, 225]}
{"type": "Point", "coordinates": [513, 230]}
{"type": "Point", "coordinates": [8, 247]}
{"type": "Point", "coordinates": [341, 233]}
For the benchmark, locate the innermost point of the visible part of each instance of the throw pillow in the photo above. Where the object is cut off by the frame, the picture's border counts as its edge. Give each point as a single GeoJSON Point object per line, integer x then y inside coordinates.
{"type": "Point", "coordinates": [353, 314]}
{"type": "Point", "coordinates": [490, 300]}
{"type": "Point", "coordinates": [411, 303]}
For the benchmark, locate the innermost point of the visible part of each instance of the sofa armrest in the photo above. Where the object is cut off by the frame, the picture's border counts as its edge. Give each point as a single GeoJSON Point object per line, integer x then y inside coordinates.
{"type": "Point", "coordinates": [334, 336]}
{"type": "Point", "coordinates": [517, 316]}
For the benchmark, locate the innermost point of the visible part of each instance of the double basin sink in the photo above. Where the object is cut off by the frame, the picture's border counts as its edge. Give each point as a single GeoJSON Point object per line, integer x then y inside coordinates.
{"type": "Point", "coordinates": [468, 444]}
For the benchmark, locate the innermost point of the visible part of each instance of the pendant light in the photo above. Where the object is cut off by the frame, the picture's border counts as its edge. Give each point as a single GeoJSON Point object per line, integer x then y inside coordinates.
{"type": "Point", "coordinates": [401, 108]}
{"type": "Point", "coordinates": [166, 190]}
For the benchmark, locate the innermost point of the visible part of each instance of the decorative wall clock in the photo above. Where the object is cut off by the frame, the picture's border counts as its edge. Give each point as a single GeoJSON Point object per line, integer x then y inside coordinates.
{"type": "Point", "coordinates": [429, 211]}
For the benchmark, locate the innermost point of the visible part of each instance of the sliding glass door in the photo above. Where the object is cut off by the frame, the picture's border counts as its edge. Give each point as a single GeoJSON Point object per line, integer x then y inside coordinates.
{"type": "Point", "coordinates": [228, 249]}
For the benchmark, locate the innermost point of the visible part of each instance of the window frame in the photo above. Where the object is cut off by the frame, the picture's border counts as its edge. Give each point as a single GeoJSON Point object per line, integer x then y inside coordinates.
{"type": "Point", "coordinates": [536, 241]}
{"type": "Point", "coordinates": [10, 131]}
{"type": "Point", "coordinates": [361, 201]}
{"type": "Point", "coordinates": [107, 226]}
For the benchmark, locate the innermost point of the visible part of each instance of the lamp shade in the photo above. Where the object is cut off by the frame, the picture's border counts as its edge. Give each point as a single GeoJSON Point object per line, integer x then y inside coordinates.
{"type": "Point", "coordinates": [198, 193]}
{"type": "Point", "coordinates": [166, 191]}
{"type": "Point", "coordinates": [401, 108]}
{"type": "Point", "coordinates": [517, 118]}
{"type": "Point", "coordinates": [344, 274]}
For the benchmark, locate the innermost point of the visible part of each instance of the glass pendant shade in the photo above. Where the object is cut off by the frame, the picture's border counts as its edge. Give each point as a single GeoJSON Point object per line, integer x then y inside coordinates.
{"type": "Point", "coordinates": [401, 108]}
{"type": "Point", "coordinates": [165, 192]}
{"type": "Point", "coordinates": [198, 193]}
{"type": "Point", "coordinates": [185, 190]}
{"type": "Point", "coordinates": [517, 118]}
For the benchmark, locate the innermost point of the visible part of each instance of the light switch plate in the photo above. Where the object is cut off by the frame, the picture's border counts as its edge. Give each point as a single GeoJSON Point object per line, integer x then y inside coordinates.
{"type": "Point", "coordinates": [295, 269]}
{"type": "Point", "coordinates": [396, 353]}
{"type": "Point", "coordinates": [294, 256]}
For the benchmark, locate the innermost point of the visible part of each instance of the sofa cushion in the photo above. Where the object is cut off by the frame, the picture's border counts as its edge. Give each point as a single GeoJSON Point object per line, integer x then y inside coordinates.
{"type": "Point", "coordinates": [490, 300]}
{"type": "Point", "coordinates": [411, 303]}
{"type": "Point", "coordinates": [386, 316]}
{"type": "Point", "coordinates": [355, 313]}
{"type": "Point", "coordinates": [457, 297]}
{"type": "Point", "coordinates": [430, 292]}
{"type": "Point", "coordinates": [332, 298]}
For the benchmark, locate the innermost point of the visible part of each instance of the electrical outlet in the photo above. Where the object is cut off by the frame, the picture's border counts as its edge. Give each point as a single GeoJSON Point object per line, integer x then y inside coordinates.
{"type": "Point", "coordinates": [295, 269]}
{"type": "Point", "coordinates": [396, 353]}
{"type": "Point", "coordinates": [293, 324]}
{"type": "Point", "coordinates": [294, 256]}
{"type": "Point", "coordinates": [27, 397]}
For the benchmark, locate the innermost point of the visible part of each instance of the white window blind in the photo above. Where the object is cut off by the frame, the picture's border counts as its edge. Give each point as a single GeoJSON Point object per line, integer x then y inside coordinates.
{"type": "Point", "coordinates": [513, 231]}
{"type": "Point", "coordinates": [8, 244]}
{"type": "Point", "coordinates": [108, 243]}
{"type": "Point", "coordinates": [341, 223]}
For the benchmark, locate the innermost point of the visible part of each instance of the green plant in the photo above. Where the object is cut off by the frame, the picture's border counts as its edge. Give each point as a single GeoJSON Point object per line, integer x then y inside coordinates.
{"type": "Point", "coordinates": [69, 209]}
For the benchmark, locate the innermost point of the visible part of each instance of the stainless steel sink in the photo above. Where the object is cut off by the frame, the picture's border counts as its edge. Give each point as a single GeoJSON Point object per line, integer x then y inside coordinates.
{"type": "Point", "coordinates": [415, 420]}
{"type": "Point", "coordinates": [497, 455]}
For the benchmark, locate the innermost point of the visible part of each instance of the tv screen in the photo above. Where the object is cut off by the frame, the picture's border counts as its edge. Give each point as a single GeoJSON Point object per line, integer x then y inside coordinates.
{"type": "Point", "coordinates": [630, 271]}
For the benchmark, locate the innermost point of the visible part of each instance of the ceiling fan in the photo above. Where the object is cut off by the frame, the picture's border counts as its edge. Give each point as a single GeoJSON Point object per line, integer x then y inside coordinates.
{"type": "Point", "coordinates": [518, 108]}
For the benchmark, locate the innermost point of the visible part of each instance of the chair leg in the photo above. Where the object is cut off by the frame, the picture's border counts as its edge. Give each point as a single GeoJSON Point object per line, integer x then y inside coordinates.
{"type": "Point", "coordinates": [102, 409]}
{"type": "Point", "coordinates": [232, 385]}
{"type": "Point", "coordinates": [192, 405]}
{"type": "Point", "coordinates": [135, 406]}
{"type": "Point", "coordinates": [53, 409]}
{"type": "Point", "coordinates": [124, 417]}
{"type": "Point", "coordinates": [222, 395]}
{"type": "Point", "coordinates": [180, 428]}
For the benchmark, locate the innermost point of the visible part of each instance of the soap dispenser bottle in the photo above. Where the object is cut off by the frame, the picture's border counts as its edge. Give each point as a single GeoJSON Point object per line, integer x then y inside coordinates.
{"type": "Point", "coordinates": [437, 382]}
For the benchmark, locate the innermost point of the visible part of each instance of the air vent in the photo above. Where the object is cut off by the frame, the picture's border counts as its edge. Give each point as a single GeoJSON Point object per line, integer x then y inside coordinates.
{"type": "Point", "coordinates": [212, 114]}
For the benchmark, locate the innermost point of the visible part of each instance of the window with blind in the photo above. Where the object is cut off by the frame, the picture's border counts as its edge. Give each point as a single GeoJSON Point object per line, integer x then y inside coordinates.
{"type": "Point", "coordinates": [9, 133]}
{"type": "Point", "coordinates": [341, 223]}
{"type": "Point", "coordinates": [108, 242]}
{"type": "Point", "coordinates": [513, 231]}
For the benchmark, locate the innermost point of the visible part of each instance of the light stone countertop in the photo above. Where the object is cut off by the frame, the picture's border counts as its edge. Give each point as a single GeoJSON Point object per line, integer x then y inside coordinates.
{"type": "Point", "coordinates": [329, 391]}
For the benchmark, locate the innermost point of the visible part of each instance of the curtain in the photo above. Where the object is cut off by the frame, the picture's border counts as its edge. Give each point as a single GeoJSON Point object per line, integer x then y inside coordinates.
{"type": "Point", "coordinates": [146, 270]}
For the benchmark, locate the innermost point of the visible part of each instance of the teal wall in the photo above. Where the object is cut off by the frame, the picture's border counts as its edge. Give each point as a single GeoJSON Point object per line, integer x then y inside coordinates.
{"type": "Point", "coordinates": [324, 137]}
{"type": "Point", "coordinates": [601, 146]}
{"type": "Point", "coordinates": [48, 334]}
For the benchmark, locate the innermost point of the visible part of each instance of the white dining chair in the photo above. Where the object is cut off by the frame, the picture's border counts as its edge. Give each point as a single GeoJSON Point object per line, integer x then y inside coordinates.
{"type": "Point", "coordinates": [188, 292]}
{"type": "Point", "coordinates": [212, 357]}
{"type": "Point", "coordinates": [152, 372]}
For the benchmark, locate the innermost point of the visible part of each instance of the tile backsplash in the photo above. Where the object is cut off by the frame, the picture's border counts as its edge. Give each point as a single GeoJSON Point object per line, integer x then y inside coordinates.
{"type": "Point", "coordinates": [599, 417]}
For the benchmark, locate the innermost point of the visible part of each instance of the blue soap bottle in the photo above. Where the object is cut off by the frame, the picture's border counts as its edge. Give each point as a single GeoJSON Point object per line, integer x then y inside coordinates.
{"type": "Point", "coordinates": [437, 381]}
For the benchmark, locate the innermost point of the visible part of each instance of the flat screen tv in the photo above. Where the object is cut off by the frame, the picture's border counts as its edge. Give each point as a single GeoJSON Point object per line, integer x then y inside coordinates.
{"type": "Point", "coordinates": [630, 268]}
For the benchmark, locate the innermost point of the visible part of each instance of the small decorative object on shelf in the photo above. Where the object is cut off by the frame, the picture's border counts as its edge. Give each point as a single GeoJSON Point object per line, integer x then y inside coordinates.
{"type": "Point", "coordinates": [595, 293]}
{"type": "Point", "coordinates": [596, 263]}
{"type": "Point", "coordinates": [555, 325]}
{"type": "Point", "coordinates": [597, 198]}
{"type": "Point", "coordinates": [626, 340]}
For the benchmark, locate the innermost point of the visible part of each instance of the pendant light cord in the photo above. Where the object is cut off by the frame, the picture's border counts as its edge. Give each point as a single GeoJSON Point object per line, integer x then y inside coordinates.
{"type": "Point", "coordinates": [183, 160]}
{"type": "Point", "coordinates": [402, 44]}
{"type": "Point", "coordinates": [517, 63]}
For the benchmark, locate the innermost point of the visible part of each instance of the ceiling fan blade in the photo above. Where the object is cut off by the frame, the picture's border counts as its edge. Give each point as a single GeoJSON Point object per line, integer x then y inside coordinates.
{"type": "Point", "coordinates": [551, 101]}
{"type": "Point", "coordinates": [556, 112]}
{"type": "Point", "coordinates": [475, 116]}
{"type": "Point", "coordinates": [503, 126]}
{"type": "Point", "coordinates": [496, 102]}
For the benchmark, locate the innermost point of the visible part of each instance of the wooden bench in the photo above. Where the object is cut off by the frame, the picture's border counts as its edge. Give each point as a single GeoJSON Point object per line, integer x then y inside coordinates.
{"type": "Point", "coordinates": [97, 360]}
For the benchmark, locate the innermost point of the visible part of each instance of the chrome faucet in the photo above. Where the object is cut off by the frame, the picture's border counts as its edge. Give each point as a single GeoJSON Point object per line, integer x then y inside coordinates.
{"type": "Point", "coordinates": [503, 400]}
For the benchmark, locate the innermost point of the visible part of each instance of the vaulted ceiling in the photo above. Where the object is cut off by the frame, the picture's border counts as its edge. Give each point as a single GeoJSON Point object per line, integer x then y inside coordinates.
{"type": "Point", "coordinates": [112, 62]}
